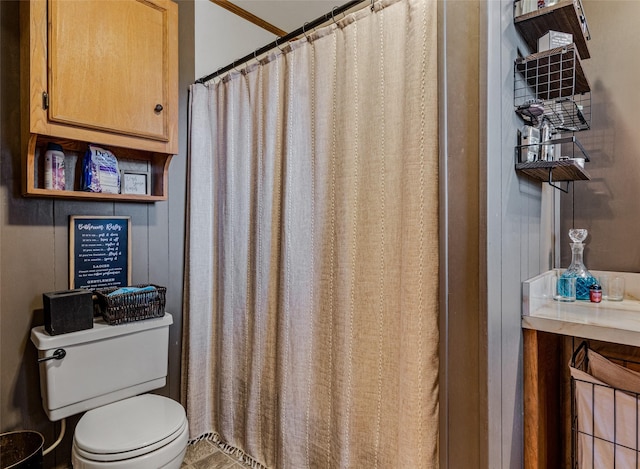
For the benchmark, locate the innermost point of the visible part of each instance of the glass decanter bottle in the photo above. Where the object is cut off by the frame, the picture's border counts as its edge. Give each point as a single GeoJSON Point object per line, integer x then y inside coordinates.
{"type": "Point", "coordinates": [577, 269]}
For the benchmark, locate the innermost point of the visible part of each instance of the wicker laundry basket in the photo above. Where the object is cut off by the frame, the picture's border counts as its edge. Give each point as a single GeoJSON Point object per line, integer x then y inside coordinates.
{"type": "Point", "coordinates": [605, 412]}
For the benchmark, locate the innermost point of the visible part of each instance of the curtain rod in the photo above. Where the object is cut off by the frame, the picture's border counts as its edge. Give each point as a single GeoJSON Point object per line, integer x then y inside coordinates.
{"type": "Point", "coordinates": [281, 40]}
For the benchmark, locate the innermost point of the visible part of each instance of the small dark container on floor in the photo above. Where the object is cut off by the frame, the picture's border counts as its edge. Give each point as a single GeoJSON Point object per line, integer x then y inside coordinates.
{"type": "Point", "coordinates": [68, 311]}
{"type": "Point", "coordinates": [21, 449]}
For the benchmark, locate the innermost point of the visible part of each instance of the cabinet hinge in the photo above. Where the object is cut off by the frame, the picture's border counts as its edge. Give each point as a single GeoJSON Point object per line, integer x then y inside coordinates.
{"type": "Point", "coordinates": [45, 100]}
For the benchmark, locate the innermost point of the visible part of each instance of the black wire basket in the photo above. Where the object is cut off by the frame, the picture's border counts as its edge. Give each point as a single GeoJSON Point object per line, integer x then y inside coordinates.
{"type": "Point", "coordinates": [134, 306]}
{"type": "Point", "coordinates": [605, 419]}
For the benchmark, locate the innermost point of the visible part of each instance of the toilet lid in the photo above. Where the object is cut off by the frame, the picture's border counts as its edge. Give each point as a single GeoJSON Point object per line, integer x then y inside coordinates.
{"type": "Point", "coordinates": [129, 425]}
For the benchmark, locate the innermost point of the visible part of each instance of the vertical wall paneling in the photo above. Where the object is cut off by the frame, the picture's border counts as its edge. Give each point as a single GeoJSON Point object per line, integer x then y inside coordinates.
{"type": "Point", "coordinates": [492, 106]}
{"type": "Point", "coordinates": [26, 250]}
{"type": "Point", "coordinates": [141, 231]}
{"type": "Point", "coordinates": [520, 220]}
{"type": "Point", "coordinates": [62, 211]}
{"type": "Point", "coordinates": [517, 244]}
{"type": "Point", "coordinates": [490, 79]}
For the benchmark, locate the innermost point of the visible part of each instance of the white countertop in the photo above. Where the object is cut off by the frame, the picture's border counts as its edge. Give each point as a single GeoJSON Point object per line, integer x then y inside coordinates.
{"type": "Point", "coordinates": [610, 321]}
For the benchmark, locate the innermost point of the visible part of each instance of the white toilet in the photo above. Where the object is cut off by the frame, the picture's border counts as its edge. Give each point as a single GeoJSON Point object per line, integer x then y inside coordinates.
{"type": "Point", "coordinates": [106, 371]}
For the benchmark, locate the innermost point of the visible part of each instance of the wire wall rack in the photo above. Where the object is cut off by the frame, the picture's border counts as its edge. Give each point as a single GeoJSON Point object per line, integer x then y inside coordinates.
{"type": "Point", "coordinates": [552, 84]}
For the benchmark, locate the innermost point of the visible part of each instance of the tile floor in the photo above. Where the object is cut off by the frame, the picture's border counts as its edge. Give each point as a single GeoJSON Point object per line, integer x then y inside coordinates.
{"type": "Point", "coordinates": [206, 455]}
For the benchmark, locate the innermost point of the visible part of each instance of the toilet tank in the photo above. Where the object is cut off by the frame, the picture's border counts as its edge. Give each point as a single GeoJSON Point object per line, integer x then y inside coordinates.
{"type": "Point", "coordinates": [102, 365]}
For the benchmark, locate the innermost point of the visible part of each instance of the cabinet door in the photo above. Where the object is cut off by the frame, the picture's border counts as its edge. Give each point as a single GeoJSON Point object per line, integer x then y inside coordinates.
{"type": "Point", "coordinates": [108, 65]}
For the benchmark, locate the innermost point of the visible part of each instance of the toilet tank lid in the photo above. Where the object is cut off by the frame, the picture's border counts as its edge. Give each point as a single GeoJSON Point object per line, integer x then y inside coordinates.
{"type": "Point", "coordinates": [101, 330]}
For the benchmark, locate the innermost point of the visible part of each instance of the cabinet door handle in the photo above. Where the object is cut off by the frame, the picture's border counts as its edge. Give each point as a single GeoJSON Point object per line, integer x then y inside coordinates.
{"type": "Point", "coordinates": [158, 108]}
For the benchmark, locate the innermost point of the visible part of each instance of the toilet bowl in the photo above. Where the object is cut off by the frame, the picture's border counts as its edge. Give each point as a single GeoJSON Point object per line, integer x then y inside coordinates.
{"type": "Point", "coordinates": [142, 432]}
{"type": "Point", "coordinates": [105, 372]}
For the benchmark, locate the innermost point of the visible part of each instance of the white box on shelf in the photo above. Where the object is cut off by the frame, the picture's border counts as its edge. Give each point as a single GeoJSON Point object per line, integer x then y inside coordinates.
{"type": "Point", "coordinates": [554, 39]}
{"type": "Point", "coordinates": [529, 149]}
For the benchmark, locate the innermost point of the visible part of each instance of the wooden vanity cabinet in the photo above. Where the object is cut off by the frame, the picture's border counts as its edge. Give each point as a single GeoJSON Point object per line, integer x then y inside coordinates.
{"type": "Point", "coordinates": [102, 72]}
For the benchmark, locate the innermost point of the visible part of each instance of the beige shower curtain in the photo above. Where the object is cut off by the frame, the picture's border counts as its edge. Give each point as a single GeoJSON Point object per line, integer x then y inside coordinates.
{"type": "Point", "coordinates": [311, 334]}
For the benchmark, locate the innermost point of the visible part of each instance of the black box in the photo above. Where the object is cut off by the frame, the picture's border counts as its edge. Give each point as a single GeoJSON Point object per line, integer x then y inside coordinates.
{"type": "Point", "coordinates": [68, 311]}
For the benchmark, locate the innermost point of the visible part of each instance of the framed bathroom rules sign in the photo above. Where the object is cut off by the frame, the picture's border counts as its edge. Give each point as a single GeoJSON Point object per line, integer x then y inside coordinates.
{"type": "Point", "coordinates": [99, 252]}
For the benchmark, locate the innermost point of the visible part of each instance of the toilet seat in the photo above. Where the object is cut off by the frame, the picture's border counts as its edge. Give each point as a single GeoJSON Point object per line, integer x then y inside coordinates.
{"type": "Point", "coordinates": [130, 428]}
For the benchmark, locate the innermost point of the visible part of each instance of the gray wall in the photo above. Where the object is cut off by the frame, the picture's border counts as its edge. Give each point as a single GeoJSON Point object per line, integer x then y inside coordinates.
{"type": "Point", "coordinates": [34, 244]}
{"type": "Point", "coordinates": [516, 237]}
{"type": "Point", "coordinates": [608, 205]}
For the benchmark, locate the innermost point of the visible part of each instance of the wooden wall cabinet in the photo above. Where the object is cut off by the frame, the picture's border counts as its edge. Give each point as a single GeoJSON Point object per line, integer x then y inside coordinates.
{"type": "Point", "coordinates": [100, 72]}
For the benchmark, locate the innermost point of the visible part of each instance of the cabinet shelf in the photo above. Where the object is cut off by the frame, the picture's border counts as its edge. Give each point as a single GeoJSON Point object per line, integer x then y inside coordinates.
{"type": "Point", "coordinates": [566, 16]}
{"type": "Point", "coordinates": [155, 164]}
{"type": "Point", "coordinates": [80, 195]}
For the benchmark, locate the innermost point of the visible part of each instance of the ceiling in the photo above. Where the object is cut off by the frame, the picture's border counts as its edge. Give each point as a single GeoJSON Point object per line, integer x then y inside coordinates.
{"type": "Point", "coordinates": [288, 15]}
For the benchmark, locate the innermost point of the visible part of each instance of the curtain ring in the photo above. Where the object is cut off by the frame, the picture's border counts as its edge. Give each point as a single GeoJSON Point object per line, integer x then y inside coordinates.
{"type": "Point", "coordinates": [332, 14]}
{"type": "Point", "coordinates": [278, 45]}
{"type": "Point", "coordinates": [372, 7]}
{"type": "Point", "coordinates": [255, 56]}
{"type": "Point", "coordinates": [304, 33]}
